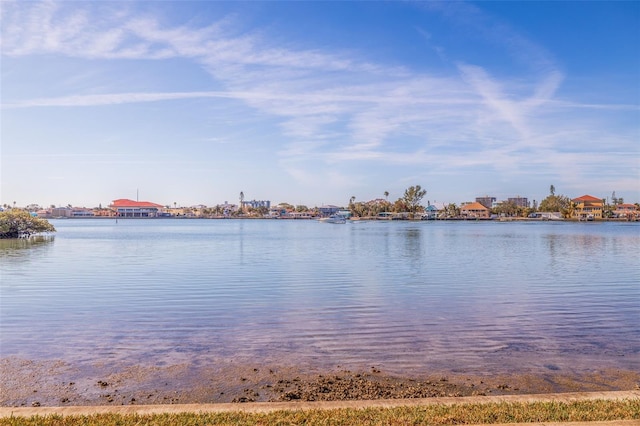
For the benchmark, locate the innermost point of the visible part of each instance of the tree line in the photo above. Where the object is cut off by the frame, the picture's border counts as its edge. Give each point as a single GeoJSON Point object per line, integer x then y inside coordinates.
{"type": "Point", "coordinates": [16, 223]}
{"type": "Point", "coordinates": [409, 203]}
{"type": "Point", "coordinates": [411, 200]}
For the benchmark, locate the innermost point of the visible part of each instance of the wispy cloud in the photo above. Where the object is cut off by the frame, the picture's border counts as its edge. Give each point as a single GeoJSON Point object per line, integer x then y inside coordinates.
{"type": "Point", "coordinates": [112, 99]}
{"type": "Point", "coordinates": [331, 106]}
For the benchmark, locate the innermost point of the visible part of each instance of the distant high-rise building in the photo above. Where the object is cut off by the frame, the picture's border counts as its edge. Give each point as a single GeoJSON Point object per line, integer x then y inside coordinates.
{"type": "Point", "coordinates": [486, 201]}
{"type": "Point", "coordinates": [257, 203]}
{"type": "Point", "coordinates": [519, 201]}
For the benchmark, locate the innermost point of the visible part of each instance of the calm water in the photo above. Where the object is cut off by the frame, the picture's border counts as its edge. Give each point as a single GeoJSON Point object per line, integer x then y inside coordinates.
{"type": "Point", "coordinates": [407, 296]}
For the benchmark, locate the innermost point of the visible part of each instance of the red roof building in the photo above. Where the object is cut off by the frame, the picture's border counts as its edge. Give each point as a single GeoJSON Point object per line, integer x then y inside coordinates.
{"type": "Point", "coordinates": [628, 211]}
{"type": "Point", "coordinates": [475, 210]}
{"type": "Point", "coordinates": [129, 208]}
{"type": "Point", "coordinates": [587, 198]}
{"type": "Point", "coordinates": [588, 207]}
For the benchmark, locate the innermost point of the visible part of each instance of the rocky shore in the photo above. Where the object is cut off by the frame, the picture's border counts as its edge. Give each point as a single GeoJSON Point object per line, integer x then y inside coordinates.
{"type": "Point", "coordinates": [56, 383]}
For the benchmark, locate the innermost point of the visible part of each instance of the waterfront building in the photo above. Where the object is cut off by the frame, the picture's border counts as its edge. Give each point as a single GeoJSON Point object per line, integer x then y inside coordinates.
{"type": "Point", "coordinates": [588, 207]}
{"type": "Point", "coordinates": [430, 212]}
{"type": "Point", "coordinates": [129, 208]}
{"type": "Point", "coordinates": [474, 210]}
{"type": "Point", "coordinates": [546, 215]}
{"type": "Point", "coordinates": [296, 215]}
{"type": "Point", "coordinates": [277, 211]}
{"type": "Point", "coordinates": [628, 211]}
{"type": "Point", "coordinates": [81, 212]}
{"type": "Point", "coordinates": [100, 212]}
{"type": "Point", "coordinates": [385, 215]}
{"type": "Point", "coordinates": [43, 213]}
{"type": "Point", "coordinates": [328, 210]}
{"type": "Point", "coordinates": [227, 208]}
{"type": "Point", "coordinates": [61, 212]}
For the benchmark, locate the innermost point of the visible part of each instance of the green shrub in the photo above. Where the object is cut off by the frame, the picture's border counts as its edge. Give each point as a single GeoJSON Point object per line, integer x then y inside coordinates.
{"type": "Point", "coordinates": [16, 223]}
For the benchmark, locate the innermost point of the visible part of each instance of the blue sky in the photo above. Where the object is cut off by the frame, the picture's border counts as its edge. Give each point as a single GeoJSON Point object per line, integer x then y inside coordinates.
{"type": "Point", "coordinates": [314, 102]}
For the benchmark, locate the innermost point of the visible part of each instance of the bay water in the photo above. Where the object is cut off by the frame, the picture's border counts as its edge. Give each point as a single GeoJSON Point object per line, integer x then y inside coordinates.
{"type": "Point", "coordinates": [488, 297]}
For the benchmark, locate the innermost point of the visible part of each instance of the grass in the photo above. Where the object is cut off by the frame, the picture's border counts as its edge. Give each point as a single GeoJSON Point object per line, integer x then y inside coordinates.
{"type": "Point", "coordinates": [489, 413]}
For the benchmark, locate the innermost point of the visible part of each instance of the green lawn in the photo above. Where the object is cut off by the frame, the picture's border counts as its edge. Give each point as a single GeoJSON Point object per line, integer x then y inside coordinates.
{"type": "Point", "coordinates": [489, 413]}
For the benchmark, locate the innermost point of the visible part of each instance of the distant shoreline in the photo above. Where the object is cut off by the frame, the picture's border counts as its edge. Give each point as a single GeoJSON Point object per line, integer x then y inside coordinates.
{"type": "Point", "coordinates": [363, 219]}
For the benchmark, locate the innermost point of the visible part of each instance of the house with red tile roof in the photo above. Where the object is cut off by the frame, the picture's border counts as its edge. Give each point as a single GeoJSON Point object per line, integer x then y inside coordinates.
{"type": "Point", "coordinates": [129, 208]}
{"type": "Point", "coordinates": [588, 207]}
{"type": "Point", "coordinates": [474, 210]}
{"type": "Point", "coordinates": [628, 211]}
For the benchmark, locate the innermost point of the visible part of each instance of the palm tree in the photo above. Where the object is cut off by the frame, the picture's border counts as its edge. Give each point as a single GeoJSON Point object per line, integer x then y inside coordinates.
{"type": "Point", "coordinates": [351, 206]}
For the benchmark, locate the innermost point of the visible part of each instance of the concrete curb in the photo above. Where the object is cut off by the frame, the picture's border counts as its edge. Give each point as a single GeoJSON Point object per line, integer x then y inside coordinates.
{"type": "Point", "coordinates": [266, 407]}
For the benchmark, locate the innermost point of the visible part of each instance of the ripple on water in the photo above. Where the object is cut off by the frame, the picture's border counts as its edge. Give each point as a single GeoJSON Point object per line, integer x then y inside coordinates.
{"type": "Point", "coordinates": [409, 295]}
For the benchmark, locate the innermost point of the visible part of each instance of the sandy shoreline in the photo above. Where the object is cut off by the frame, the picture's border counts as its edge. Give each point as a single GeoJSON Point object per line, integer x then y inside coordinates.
{"type": "Point", "coordinates": [30, 383]}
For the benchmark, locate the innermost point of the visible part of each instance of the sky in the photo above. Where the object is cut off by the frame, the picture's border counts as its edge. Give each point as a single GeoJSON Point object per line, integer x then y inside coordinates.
{"type": "Point", "coordinates": [315, 102]}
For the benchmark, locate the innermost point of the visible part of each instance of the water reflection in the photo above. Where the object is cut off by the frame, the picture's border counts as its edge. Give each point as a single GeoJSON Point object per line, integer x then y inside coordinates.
{"type": "Point", "coordinates": [21, 247]}
{"type": "Point", "coordinates": [553, 242]}
{"type": "Point", "coordinates": [413, 244]}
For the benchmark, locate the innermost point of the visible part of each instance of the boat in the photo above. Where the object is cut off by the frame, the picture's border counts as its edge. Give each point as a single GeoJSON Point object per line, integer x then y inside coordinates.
{"type": "Point", "coordinates": [334, 218]}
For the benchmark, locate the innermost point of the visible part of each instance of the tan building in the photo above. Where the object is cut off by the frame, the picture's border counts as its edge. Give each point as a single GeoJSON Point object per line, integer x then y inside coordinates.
{"type": "Point", "coordinates": [474, 210]}
{"type": "Point", "coordinates": [61, 212]}
{"type": "Point", "coordinates": [588, 207]}
{"type": "Point", "coordinates": [628, 211]}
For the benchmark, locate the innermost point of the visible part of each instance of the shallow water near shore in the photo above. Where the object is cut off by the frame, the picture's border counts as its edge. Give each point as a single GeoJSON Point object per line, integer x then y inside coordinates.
{"type": "Point", "coordinates": [407, 297]}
